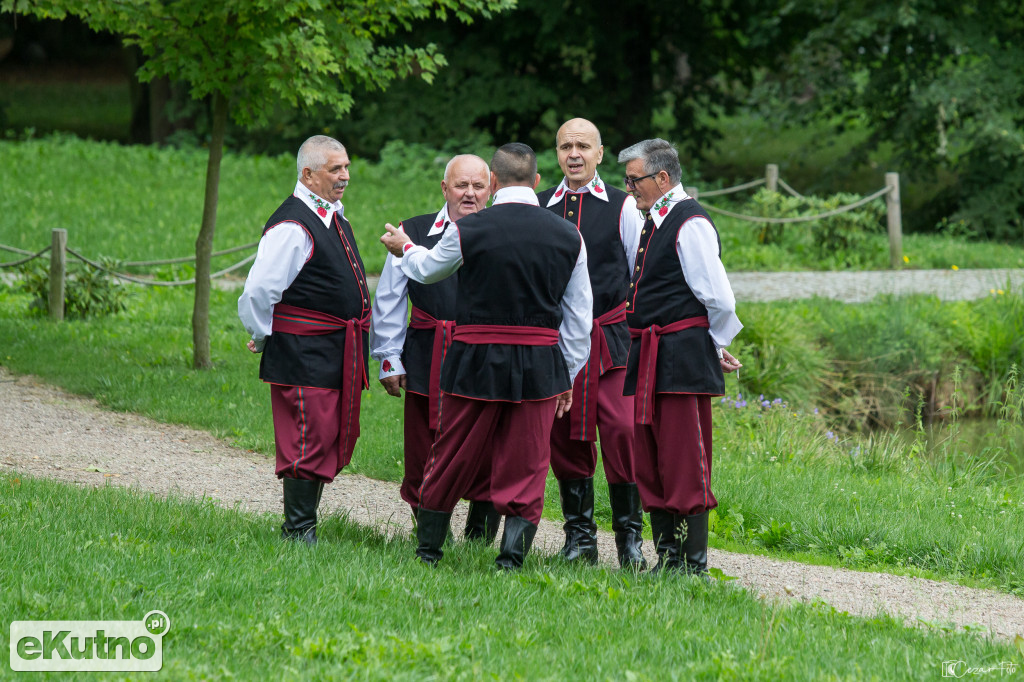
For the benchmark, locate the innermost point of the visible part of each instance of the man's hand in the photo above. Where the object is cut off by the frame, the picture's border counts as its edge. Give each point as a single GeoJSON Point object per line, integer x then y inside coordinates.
{"type": "Point", "coordinates": [563, 403]}
{"type": "Point", "coordinates": [251, 346]}
{"type": "Point", "coordinates": [393, 384]}
{"type": "Point", "coordinates": [394, 240]}
{"type": "Point", "coordinates": [728, 362]}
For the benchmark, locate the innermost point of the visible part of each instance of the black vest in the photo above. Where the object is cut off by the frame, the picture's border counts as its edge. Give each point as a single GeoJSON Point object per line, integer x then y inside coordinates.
{"type": "Point", "coordinates": [598, 222]}
{"type": "Point", "coordinates": [332, 281]}
{"type": "Point", "coordinates": [687, 360]}
{"type": "Point", "coordinates": [517, 261]}
{"type": "Point", "coordinates": [438, 300]}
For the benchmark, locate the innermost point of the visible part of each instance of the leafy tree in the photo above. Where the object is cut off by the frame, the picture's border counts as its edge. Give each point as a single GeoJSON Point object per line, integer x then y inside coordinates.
{"type": "Point", "coordinates": [250, 56]}
{"type": "Point", "coordinates": [937, 80]}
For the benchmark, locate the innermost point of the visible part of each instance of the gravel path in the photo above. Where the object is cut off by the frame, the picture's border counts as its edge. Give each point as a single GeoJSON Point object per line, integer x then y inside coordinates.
{"type": "Point", "coordinates": [47, 433]}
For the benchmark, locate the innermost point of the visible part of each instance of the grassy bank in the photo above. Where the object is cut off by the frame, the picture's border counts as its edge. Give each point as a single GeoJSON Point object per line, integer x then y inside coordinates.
{"type": "Point", "coordinates": [143, 203]}
{"type": "Point", "coordinates": [787, 486]}
{"type": "Point", "coordinates": [359, 606]}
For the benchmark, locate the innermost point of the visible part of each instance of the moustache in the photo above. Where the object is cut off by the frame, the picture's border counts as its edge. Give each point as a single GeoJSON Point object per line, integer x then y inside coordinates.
{"type": "Point", "coordinates": [341, 184]}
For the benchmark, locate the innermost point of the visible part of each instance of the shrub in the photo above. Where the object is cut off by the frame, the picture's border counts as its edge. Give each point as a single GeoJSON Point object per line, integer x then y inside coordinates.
{"type": "Point", "coordinates": [88, 291]}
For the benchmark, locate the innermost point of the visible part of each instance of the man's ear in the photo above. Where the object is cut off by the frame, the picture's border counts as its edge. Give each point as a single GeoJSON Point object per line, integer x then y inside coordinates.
{"type": "Point", "coordinates": [536, 181]}
{"type": "Point", "coordinates": [494, 183]}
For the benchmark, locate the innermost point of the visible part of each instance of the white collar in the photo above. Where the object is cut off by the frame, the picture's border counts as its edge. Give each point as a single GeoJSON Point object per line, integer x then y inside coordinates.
{"type": "Point", "coordinates": [515, 194]}
{"type": "Point", "coordinates": [441, 221]}
{"type": "Point", "coordinates": [310, 199]}
{"type": "Point", "coordinates": [662, 206]}
{"type": "Point", "coordinates": [595, 186]}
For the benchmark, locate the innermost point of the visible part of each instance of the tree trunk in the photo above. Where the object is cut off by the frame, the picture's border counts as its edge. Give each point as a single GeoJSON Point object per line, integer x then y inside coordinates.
{"type": "Point", "coordinates": [201, 358]}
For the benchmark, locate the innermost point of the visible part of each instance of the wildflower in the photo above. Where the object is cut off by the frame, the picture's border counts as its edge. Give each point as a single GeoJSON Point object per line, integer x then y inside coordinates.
{"type": "Point", "coordinates": [991, 291]}
{"type": "Point", "coordinates": [815, 410]}
{"type": "Point", "coordinates": [765, 403]}
{"type": "Point", "coordinates": [906, 259]}
{"type": "Point", "coordinates": [772, 458]}
{"type": "Point", "coordinates": [955, 267]}
{"type": "Point", "coordinates": [1000, 292]}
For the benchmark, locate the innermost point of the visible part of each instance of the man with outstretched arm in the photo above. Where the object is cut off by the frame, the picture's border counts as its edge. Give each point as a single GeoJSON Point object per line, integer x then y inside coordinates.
{"type": "Point", "coordinates": [610, 224]}
{"type": "Point", "coordinates": [307, 307]}
{"type": "Point", "coordinates": [681, 314]}
{"type": "Point", "coordinates": [411, 352]}
{"type": "Point", "coordinates": [522, 332]}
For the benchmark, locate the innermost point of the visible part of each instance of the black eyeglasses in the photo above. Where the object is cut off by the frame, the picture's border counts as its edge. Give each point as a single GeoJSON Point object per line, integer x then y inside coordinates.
{"type": "Point", "coordinates": [631, 182]}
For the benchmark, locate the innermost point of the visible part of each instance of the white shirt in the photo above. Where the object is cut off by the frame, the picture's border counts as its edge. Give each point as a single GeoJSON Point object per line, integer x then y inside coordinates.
{"type": "Point", "coordinates": [577, 303]}
{"type": "Point", "coordinates": [631, 221]}
{"type": "Point", "coordinates": [697, 248]}
{"type": "Point", "coordinates": [282, 252]}
{"type": "Point", "coordinates": [390, 320]}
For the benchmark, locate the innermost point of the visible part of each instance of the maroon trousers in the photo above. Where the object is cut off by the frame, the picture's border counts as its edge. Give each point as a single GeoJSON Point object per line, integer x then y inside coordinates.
{"type": "Point", "coordinates": [513, 439]}
{"type": "Point", "coordinates": [574, 459]}
{"type": "Point", "coordinates": [673, 455]}
{"type": "Point", "coordinates": [419, 438]}
{"type": "Point", "coordinates": [307, 439]}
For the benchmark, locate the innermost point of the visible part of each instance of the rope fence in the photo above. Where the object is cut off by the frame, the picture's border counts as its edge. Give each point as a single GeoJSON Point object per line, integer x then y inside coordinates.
{"type": "Point", "coordinates": [59, 251]}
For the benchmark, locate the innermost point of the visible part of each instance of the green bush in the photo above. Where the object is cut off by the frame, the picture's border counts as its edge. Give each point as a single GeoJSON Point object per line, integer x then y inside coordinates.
{"type": "Point", "coordinates": [88, 291]}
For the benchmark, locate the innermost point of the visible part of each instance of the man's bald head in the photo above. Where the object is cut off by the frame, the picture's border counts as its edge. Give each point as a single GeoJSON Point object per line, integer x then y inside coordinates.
{"type": "Point", "coordinates": [466, 185]}
{"type": "Point", "coordinates": [579, 149]}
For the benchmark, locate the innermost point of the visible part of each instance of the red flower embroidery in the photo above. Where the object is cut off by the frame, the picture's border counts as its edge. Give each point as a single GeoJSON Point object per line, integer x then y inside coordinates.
{"type": "Point", "coordinates": [598, 189]}
{"type": "Point", "coordinates": [322, 212]}
{"type": "Point", "coordinates": [386, 366]}
{"type": "Point", "coordinates": [662, 211]}
{"type": "Point", "coordinates": [559, 192]}
{"type": "Point", "coordinates": [439, 223]}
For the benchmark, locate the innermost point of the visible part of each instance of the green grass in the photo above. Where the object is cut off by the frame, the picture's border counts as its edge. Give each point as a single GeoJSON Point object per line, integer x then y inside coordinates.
{"type": "Point", "coordinates": [143, 203]}
{"type": "Point", "coordinates": [784, 486]}
{"type": "Point", "coordinates": [99, 110]}
{"type": "Point", "coordinates": [359, 606]}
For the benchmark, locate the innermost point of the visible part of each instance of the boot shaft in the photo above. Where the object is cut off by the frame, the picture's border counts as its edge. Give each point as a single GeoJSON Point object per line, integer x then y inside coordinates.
{"type": "Point", "coordinates": [515, 543]}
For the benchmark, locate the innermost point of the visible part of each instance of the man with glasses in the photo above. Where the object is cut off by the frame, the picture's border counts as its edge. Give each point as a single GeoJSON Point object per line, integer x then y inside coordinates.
{"type": "Point", "coordinates": [522, 333]}
{"type": "Point", "coordinates": [610, 224]}
{"type": "Point", "coordinates": [681, 314]}
{"type": "Point", "coordinates": [411, 352]}
{"type": "Point", "coordinates": [307, 307]}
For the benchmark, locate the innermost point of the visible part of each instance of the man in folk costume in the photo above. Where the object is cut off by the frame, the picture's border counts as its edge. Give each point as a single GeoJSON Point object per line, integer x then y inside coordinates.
{"type": "Point", "coordinates": [522, 333]}
{"type": "Point", "coordinates": [610, 224]}
{"type": "Point", "coordinates": [307, 307]}
{"type": "Point", "coordinates": [411, 353]}
{"type": "Point", "coordinates": [681, 313]}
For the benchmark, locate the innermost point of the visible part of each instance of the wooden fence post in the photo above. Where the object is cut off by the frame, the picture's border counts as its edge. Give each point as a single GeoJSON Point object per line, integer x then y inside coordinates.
{"type": "Point", "coordinates": [692, 191]}
{"type": "Point", "coordinates": [894, 220]}
{"type": "Point", "coordinates": [58, 268]}
{"type": "Point", "coordinates": [771, 177]}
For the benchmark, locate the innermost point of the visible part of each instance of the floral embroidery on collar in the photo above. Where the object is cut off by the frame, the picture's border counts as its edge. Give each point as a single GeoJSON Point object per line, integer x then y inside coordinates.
{"type": "Point", "coordinates": [662, 206]}
{"type": "Point", "coordinates": [322, 207]}
{"type": "Point", "coordinates": [439, 223]}
{"type": "Point", "coordinates": [596, 185]}
{"type": "Point", "coordinates": [560, 191]}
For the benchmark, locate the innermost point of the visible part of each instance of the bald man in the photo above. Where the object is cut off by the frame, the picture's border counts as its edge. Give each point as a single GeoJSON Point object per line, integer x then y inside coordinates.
{"type": "Point", "coordinates": [410, 353]}
{"type": "Point", "coordinates": [610, 224]}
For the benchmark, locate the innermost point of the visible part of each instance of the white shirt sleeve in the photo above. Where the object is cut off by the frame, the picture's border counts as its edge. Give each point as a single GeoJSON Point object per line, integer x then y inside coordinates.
{"type": "Point", "coordinates": [282, 252]}
{"type": "Point", "coordinates": [429, 266]}
{"type": "Point", "coordinates": [697, 247]}
{"type": "Point", "coordinates": [390, 318]}
{"type": "Point", "coordinates": [577, 316]}
{"type": "Point", "coordinates": [631, 223]}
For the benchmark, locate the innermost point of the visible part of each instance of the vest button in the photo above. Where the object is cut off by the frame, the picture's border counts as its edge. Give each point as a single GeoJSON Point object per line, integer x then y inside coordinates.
{"type": "Point", "coordinates": [638, 268]}
{"type": "Point", "coordinates": [571, 214]}
{"type": "Point", "coordinates": [572, 198]}
{"type": "Point", "coordinates": [630, 286]}
{"type": "Point", "coordinates": [643, 232]}
{"type": "Point", "coordinates": [641, 249]}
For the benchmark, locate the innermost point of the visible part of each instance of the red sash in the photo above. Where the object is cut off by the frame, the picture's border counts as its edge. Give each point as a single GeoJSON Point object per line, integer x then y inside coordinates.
{"type": "Point", "coordinates": [496, 333]}
{"type": "Point", "coordinates": [583, 416]}
{"type": "Point", "coordinates": [648, 369]}
{"type": "Point", "coordinates": [289, 319]}
{"type": "Point", "coordinates": [442, 339]}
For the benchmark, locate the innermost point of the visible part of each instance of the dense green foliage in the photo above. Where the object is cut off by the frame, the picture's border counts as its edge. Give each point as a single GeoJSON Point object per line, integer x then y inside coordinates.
{"type": "Point", "coordinates": [88, 291]}
{"type": "Point", "coordinates": [242, 605]}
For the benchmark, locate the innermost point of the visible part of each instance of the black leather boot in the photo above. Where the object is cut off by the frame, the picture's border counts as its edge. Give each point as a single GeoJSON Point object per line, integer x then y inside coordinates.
{"type": "Point", "coordinates": [431, 531]}
{"type": "Point", "coordinates": [577, 498]}
{"type": "Point", "coordinates": [301, 498]}
{"type": "Point", "coordinates": [628, 524]}
{"type": "Point", "coordinates": [666, 542]}
{"type": "Point", "coordinates": [515, 543]}
{"type": "Point", "coordinates": [693, 531]}
{"type": "Point", "coordinates": [482, 522]}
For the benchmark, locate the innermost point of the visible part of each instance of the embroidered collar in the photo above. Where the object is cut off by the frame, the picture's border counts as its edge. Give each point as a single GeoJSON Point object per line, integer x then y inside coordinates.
{"type": "Point", "coordinates": [595, 187]}
{"type": "Point", "coordinates": [324, 210]}
{"type": "Point", "coordinates": [515, 194]}
{"type": "Point", "coordinates": [662, 206]}
{"type": "Point", "coordinates": [441, 221]}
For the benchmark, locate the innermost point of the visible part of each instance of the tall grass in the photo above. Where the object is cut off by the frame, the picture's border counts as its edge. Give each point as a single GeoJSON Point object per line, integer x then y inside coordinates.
{"type": "Point", "coordinates": [359, 606]}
